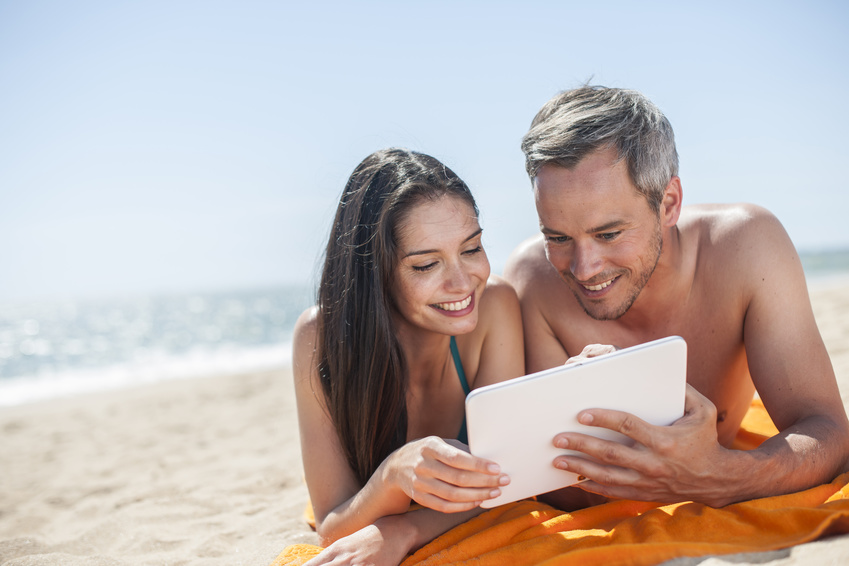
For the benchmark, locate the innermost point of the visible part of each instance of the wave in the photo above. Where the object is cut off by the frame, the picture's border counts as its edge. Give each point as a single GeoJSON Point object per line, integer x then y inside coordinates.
{"type": "Point", "coordinates": [193, 364]}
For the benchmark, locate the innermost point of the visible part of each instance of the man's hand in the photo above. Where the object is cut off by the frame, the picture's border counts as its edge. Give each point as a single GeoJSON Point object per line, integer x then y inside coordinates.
{"type": "Point", "coordinates": [680, 462]}
{"type": "Point", "coordinates": [591, 351]}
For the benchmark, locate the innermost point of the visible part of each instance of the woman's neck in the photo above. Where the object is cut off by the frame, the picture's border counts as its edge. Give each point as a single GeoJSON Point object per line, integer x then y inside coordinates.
{"type": "Point", "coordinates": [426, 355]}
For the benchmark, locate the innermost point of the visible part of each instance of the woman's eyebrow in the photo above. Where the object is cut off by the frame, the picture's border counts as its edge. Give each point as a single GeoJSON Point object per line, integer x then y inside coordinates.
{"type": "Point", "coordinates": [424, 252]}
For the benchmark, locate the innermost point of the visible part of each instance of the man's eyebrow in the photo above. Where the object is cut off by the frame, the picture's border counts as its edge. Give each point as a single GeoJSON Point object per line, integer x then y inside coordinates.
{"type": "Point", "coordinates": [602, 228]}
{"type": "Point", "coordinates": [425, 252]}
{"type": "Point", "coordinates": [608, 226]}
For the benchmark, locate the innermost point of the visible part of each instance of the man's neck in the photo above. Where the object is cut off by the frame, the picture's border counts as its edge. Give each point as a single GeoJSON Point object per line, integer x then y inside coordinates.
{"type": "Point", "coordinates": [666, 290]}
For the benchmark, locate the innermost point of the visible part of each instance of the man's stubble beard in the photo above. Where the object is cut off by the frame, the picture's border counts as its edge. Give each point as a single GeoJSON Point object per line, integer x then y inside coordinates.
{"type": "Point", "coordinates": [657, 243]}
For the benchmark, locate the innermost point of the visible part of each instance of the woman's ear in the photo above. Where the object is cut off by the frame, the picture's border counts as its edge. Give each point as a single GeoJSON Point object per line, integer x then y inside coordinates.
{"type": "Point", "coordinates": [670, 206]}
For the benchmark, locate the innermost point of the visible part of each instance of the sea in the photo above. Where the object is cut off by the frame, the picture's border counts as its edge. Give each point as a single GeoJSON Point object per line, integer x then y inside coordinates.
{"type": "Point", "coordinates": [58, 348]}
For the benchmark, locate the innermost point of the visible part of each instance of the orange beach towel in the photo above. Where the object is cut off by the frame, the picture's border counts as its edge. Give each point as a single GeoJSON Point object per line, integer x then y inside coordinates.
{"type": "Point", "coordinates": [633, 532]}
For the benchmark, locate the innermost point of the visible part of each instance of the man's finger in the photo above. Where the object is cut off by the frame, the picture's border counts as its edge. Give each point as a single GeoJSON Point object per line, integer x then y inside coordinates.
{"type": "Point", "coordinates": [599, 473]}
{"type": "Point", "coordinates": [619, 421]}
{"type": "Point", "coordinates": [604, 451]}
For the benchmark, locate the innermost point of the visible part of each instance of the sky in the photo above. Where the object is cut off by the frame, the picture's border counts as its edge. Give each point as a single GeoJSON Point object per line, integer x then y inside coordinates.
{"type": "Point", "coordinates": [170, 146]}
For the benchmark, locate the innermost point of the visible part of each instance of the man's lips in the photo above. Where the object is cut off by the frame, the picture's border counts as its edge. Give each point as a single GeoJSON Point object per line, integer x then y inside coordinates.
{"type": "Point", "coordinates": [598, 286]}
{"type": "Point", "coordinates": [591, 289]}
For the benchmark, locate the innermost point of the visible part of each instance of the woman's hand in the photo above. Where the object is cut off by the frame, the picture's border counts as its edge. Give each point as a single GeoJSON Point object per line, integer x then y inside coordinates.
{"type": "Point", "coordinates": [442, 475]}
{"type": "Point", "coordinates": [379, 544]}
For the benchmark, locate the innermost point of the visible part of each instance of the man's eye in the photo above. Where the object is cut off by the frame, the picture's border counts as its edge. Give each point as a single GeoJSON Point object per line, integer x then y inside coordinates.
{"type": "Point", "coordinates": [427, 267]}
{"type": "Point", "coordinates": [557, 239]}
{"type": "Point", "coordinates": [607, 236]}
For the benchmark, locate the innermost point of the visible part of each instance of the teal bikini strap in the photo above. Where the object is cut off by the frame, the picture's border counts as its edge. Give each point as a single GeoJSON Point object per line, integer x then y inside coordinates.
{"type": "Point", "coordinates": [458, 365]}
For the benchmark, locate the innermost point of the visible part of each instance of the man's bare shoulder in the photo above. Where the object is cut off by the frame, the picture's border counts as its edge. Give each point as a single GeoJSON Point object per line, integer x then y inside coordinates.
{"type": "Point", "coordinates": [724, 217]}
{"type": "Point", "coordinates": [734, 233]}
{"type": "Point", "coordinates": [528, 269]}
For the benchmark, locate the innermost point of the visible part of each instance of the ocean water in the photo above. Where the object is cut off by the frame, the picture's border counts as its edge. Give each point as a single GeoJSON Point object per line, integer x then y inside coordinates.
{"type": "Point", "coordinates": [63, 347]}
{"type": "Point", "coordinates": [825, 264]}
{"type": "Point", "coordinates": [58, 348]}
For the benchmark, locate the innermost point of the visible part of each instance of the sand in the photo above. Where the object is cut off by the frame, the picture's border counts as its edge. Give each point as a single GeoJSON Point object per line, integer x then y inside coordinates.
{"type": "Point", "coordinates": [204, 471]}
{"type": "Point", "coordinates": [207, 471]}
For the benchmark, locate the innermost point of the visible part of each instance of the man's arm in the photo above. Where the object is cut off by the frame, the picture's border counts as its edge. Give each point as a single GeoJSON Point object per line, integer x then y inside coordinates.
{"type": "Point", "coordinates": [791, 371]}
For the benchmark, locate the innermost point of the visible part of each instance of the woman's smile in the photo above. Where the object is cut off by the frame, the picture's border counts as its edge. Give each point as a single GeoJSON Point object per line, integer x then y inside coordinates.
{"type": "Point", "coordinates": [457, 307]}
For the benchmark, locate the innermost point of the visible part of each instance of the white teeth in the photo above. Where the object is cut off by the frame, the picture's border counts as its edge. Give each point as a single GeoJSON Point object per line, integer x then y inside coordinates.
{"type": "Point", "coordinates": [458, 306]}
{"type": "Point", "coordinates": [598, 287]}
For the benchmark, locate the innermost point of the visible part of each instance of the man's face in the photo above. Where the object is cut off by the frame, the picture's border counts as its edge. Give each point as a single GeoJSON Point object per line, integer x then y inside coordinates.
{"type": "Point", "coordinates": [600, 233]}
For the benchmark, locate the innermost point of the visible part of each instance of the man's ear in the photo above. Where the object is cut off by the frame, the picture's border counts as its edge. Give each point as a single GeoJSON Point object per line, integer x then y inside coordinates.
{"type": "Point", "coordinates": [670, 206]}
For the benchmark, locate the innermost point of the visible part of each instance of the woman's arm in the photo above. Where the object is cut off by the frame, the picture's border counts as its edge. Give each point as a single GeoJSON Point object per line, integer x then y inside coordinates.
{"type": "Point", "coordinates": [387, 540]}
{"type": "Point", "coordinates": [390, 539]}
{"type": "Point", "coordinates": [429, 471]}
{"type": "Point", "coordinates": [329, 478]}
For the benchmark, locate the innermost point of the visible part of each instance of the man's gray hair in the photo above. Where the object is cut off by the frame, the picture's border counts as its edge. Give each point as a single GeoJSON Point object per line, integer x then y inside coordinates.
{"type": "Point", "coordinates": [578, 122]}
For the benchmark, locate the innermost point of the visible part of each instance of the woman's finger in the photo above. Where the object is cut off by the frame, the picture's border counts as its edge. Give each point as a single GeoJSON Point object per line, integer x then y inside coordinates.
{"type": "Point", "coordinates": [460, 459]}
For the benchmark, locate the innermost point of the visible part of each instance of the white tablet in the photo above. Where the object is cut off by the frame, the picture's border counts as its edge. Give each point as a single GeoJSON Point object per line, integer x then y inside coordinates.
{"type": "Point", "coordinates": [514, 423]}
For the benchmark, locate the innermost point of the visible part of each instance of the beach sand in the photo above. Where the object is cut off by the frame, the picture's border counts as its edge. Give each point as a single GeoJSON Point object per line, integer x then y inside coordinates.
{"type": "Point", "coordinates": [207, 471]}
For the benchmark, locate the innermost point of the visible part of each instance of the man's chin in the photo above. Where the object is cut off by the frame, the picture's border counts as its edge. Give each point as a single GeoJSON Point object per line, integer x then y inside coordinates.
{"type": "Point", "coordinates": [602, 315]}
{"type": "Point", "coordinates": [599, 310]}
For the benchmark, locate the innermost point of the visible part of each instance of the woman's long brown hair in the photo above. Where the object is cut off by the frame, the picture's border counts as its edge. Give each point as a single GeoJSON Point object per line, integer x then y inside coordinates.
{"type": "Point", "coordinates": [361, 365]}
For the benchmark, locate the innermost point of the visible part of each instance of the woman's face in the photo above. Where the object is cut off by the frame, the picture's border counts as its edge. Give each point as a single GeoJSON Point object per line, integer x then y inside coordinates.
{"type": "Point", "coordinates": [441, 269]}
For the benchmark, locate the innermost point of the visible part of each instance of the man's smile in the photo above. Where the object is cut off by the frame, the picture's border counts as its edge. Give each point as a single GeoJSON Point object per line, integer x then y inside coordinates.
{"type": "Point", "coordinates": [599, 286]}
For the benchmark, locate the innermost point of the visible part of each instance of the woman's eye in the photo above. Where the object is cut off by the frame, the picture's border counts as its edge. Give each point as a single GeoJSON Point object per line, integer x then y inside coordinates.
{"type": "Point", "coordinates": [474, 250]}
{"type": "Point", "coordinates": [427, 267]}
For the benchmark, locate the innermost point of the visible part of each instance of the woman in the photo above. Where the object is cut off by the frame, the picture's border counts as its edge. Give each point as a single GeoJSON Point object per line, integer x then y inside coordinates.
{"type": "Point", "coordinates": [408, 321]}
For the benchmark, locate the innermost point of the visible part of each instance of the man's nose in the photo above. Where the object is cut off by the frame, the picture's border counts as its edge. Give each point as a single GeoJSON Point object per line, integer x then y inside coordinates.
{"type": "Point", "coordinates": [586, 261]}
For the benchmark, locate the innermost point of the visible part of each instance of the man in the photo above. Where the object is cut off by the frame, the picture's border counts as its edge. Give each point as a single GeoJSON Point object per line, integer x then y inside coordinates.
{"type": "Point", "coordinates": [620, 262]}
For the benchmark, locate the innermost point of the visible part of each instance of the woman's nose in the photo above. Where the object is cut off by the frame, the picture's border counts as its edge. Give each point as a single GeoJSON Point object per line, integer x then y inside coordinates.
{"type": "Point", "coordinates": [458, 278]}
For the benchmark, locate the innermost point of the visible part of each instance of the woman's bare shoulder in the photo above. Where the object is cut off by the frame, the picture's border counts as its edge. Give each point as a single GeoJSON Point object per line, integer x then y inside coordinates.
{"type": "Point", "coordinates": [307, 322]}
{"type": "Point", "coordinates": [304, 343]}
{"type": "Point", "coordinates": [499, 306]}
{"type": "Point", "coordinates": [499, 294]}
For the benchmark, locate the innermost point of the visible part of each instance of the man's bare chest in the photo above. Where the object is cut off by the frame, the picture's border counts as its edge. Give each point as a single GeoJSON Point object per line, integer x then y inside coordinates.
{"type": "Point", "coordinates": [716, 357]}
